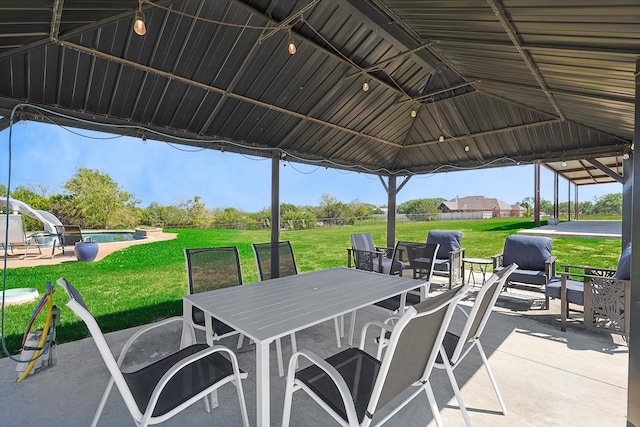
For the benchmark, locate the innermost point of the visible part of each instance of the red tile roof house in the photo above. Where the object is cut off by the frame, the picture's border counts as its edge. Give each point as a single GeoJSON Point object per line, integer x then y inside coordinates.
{"type": "Point", "coordinates": [488, 207]}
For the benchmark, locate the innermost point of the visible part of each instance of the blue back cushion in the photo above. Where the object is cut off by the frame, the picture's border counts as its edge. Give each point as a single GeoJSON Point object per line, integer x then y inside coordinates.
{"type": "Point", "coordinates": [449, 240]}
{"type": "Point", "coordinates": [623, 272]}
{"type": "Point", "coordinates": [529, 252]}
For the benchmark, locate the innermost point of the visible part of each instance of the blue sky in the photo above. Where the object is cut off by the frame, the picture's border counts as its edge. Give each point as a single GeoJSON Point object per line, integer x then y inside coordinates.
{"type": "Point", "coordinates": [169, 174]}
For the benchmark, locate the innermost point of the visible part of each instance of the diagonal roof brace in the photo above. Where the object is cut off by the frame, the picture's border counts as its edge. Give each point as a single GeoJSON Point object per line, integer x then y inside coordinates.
{"type": "Point", "coordinates": [56, 17]}
{"type": "Point", "coordinates": [606, 170]}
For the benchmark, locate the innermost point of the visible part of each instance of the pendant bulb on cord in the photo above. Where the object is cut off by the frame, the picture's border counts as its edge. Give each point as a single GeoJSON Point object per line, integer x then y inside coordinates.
{"type": "Point", "coordinates": [139, 26]}
{"type": "Point", "coordinates": [292, 45]}
{"type": "Point", "coordinates": [365, 85]}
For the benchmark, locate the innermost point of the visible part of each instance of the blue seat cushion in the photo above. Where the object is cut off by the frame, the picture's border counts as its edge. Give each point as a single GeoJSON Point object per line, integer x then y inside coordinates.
{"type": "Point", "coordinates": [575, 290]}
{"type": "Point", "coordinates": [623, 272]}
{"type": "Point", "coordinates": [441, 264]}
{"type": "Point", "coordinates": [529, 252]}
{"type": "Point", "coordinates": [449, 240]}
{"type": "Point", "coordinates": [533, 277]}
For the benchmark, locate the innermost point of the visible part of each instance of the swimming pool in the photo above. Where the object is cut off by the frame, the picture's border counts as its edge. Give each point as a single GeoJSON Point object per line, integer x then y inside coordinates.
{"type": "Point", "coordinates": [96, 236]}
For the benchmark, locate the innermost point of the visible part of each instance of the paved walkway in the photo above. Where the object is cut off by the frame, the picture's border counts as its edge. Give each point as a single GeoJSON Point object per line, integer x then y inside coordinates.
{"type": "Point", "coordinates": [603, 229]}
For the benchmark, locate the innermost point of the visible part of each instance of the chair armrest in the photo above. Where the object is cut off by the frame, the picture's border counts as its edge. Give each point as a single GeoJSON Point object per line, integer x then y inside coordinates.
{"type": "Point", "coordinates": [388, 252]}
{"type": "Point", "coordinates": [497, 260]}
{"type": "Point", "coordinates": [148, 328]}
{"type": "Point", "coordinates": [181, 364]}
{"type": "Point", "coordinates": [550, 267]}
{"type": "Point", "coordinates": [375, 254]}
{"type": "Point", "coordinates": [604, 272]}
{"type": "Point", "coordinates": [349, 255]}
{"type": "Point", "coordinates": [384, 326]}
{"type": "Point", "coordinates": [333, 373]}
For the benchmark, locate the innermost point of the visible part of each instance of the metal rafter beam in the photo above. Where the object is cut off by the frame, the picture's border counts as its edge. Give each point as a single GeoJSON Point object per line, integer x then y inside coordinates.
{"type": "Point", "coordinates": [439, 91]}
{"type": "Point", "coordinates": [56, 18]}
{"type": "Point", "coordinates": [373, 18]}
{"type": "Point", "coordinates": [171, 76]}
{"type": "Point", "coordinates": [604, 168]}
{"type": "Point", "coordinates": [508, 27]}
{"type": "Point", "coordinates": [486, 133]}
{"type": "Point", "coordinates": [332, 54]}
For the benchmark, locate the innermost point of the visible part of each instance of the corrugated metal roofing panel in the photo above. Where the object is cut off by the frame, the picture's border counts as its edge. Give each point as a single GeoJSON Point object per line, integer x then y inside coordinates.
{"type": "Point", "coordinates": [522, 79]}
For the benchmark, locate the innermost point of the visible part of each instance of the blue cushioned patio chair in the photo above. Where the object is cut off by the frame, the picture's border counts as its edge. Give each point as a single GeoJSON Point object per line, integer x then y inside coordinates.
{"type": "Point", "coordinates": [607, 299]}
{"type": "Point", "coordinates": [536, 265]}
{"type": "Point", "coordinates": [449, 257]}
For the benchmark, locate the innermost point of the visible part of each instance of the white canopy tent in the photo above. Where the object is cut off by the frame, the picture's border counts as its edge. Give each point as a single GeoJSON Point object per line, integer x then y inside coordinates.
{"type": "Point", "coordinates": [47, 218]}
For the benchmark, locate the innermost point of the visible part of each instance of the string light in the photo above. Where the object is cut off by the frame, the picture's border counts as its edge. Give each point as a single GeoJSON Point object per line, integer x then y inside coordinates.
{"type": "Point", "coordinates": [466, 148]}
{"type": "Point", "coordinates": [414, 112]}
{"type": "Point", "coordinates": [138, 25]}
{"type": "Point", "coordinates": [441, 139]}
{"type": "Point", "coordinates": [365, 85]}
{"type": "Point", "coordinates": [292, 45]}
{"type": "Point", "coordinates": [22, 117]}
{"type": "Point", "coordinates": [223, 143]}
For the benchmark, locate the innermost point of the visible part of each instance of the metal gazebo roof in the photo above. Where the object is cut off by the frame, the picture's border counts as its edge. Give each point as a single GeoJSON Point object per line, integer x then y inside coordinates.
{"type": "Point", "coordinates": [490, 83]}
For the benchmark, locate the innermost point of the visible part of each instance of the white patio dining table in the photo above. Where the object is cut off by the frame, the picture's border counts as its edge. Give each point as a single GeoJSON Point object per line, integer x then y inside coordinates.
{"type": "Point", "coordinates": [274, 308]}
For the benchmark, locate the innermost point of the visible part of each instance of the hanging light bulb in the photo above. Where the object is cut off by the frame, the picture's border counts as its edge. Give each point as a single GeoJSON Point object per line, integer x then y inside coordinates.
{"type": "Point", "coordinates": [138, 25]}
{"type": "Point", "coordinates": [23, 119]}
{"type": "Point", "coordinates": [441, 139]}
{"type": "Point", "coordinates": [414, 113]}
{"type": "Point", "coordinates": [466, 148]}
{"type": "Point", "coordinates": [292, 45]}
{"type": "Point", "coordinates": [365, 85]}
{"type": "Point", "coordinates": [564, 164]}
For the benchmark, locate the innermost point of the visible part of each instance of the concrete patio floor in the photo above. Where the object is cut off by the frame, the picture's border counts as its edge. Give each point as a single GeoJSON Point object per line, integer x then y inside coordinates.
{"type": "Point", "coordinates": [547, 378]}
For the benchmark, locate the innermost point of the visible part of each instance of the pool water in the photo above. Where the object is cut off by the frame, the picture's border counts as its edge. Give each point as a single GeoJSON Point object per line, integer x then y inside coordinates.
{"type": "Point", "coordinates": [114, 236]}
{"type": "Point", "coordinates": [100, 237]}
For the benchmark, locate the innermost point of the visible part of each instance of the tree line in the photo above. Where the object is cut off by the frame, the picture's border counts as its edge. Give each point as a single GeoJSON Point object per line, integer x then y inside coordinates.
{"type": "Point", "coordinates": [609, 204]}
{"type": "Point", "coordinates": [93, 200]}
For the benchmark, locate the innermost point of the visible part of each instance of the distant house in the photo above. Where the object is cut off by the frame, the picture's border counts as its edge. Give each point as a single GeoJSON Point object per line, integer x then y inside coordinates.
{"type": "Point", "coordinates": [490, 207]}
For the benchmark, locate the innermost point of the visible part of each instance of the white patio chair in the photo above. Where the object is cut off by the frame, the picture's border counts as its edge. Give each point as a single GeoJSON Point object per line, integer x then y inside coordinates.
{"type": "Point", "coordinates": [15, 235]}
{"type": "Point", "coordinates": [455, 348]}
{"type": "Point", "coordinates": [353, 385]}
{"type": "Point", "coordinates": [162, 389]}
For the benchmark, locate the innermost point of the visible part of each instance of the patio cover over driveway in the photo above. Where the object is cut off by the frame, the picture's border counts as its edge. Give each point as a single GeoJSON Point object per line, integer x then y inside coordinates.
{"type": "Point", "coordinates": [479, 83]}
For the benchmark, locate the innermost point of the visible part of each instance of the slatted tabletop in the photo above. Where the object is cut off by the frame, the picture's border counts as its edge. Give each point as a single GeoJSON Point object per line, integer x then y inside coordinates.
{"type": "Point", "coordinates": [275, 308]}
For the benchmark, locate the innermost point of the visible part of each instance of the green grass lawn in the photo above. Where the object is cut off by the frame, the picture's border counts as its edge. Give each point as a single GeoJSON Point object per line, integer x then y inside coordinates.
{"type": "Point", "coordinates": [143, 283]}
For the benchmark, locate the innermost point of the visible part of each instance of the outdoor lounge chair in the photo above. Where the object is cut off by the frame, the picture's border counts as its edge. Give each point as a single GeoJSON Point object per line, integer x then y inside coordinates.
{"type": "Point", "coordinates": [449, 257]}
{"type": "Point", "coordinates": [16, 237]}
{"type": "Point", "coordinates": [164, 388]}
{"type": "Point", "coordinates": [536, 265]}
{"type": "Point", "coordinates": [607, 300]}
{"type": "Point", "coordinates": [68, 235]}
{"type": "Point", "coordinates": [352, 386]}
{"type": "Point", "coordinates": [364, 252]}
